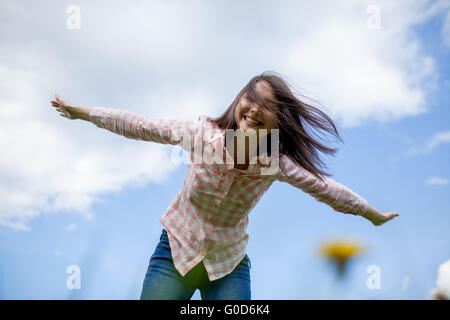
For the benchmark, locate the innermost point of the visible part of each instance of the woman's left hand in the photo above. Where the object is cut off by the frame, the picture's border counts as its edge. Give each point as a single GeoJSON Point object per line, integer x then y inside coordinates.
{"type": "Point", "coordinates": [383, 218]}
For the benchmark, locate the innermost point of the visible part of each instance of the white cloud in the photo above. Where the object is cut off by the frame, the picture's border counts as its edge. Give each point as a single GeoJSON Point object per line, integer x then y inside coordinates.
{"type": "Point", "coordinates": [72, 227]}
{"type": "Point", "coordinates": [436, 140]}
{"type": "Point", "coordinates": [177, 61]}
{"type": "Point", "coordinates": [436, 8]}
{"type": "Point", "coordinates": [59, 166]}
{"type": "Point", "coordinates": [443, 281]}
{"type": "Point", "coordinates": [362, 73]}
{"type": "Point", "coordinates": [446, 30]}
{"type": "Point", "coordinates": [437, 181]}
{"type": "Point", "coordinates": [405, 283]}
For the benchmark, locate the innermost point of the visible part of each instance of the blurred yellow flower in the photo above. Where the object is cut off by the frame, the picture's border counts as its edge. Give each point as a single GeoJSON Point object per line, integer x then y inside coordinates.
{"type": "Point", "coordinates": [340, 252]}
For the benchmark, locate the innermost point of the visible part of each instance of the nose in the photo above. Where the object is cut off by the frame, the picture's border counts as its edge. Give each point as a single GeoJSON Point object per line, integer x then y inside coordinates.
{"type": "Point", "coordinates": [254, 109]}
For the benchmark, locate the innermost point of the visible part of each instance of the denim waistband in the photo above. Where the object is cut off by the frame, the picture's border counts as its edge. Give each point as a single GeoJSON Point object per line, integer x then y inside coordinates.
{"type": "Point", "coordinates": [164, 235]}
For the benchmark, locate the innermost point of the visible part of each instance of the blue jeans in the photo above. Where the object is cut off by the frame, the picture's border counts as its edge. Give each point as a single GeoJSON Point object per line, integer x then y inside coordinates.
{"type": "Point", "coordinates": [164, 282]}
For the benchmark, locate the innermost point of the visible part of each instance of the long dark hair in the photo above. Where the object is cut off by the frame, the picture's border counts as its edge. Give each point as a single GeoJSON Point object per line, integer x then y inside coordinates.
{"type": "Point", "coordinates": [292, 116]}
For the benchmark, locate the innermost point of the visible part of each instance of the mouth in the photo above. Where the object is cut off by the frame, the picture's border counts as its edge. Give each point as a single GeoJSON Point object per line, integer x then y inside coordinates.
{"type": "Point", "coordinates": [252, 121]}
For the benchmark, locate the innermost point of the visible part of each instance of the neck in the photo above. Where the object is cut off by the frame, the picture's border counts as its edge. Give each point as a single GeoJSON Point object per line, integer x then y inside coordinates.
{"type": "Point", "coordinates": [248, 153]}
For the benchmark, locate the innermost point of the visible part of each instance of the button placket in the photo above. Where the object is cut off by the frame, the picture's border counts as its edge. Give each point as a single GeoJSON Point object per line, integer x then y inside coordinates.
{"type": "Point", "coordinates": [227, 181]}
{"type": "Point", "coordinates": [205, 247]}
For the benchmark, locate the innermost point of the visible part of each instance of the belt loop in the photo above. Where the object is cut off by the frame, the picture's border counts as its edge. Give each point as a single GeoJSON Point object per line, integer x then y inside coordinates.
{"type": "Point", "coordinates": [248, 259]}
{"type": "Point", "coordinates": [163, 234]}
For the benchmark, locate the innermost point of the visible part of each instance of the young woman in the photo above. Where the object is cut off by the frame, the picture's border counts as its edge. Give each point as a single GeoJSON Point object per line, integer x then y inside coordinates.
{"type": "Point", "coordinates": [203, 242]}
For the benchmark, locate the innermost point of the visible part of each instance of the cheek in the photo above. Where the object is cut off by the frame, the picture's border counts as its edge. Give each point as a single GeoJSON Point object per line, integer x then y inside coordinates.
{"type": "Point", "coordinates": [238, 117]}
{"type": "Point", "coordinates": [237, 111]}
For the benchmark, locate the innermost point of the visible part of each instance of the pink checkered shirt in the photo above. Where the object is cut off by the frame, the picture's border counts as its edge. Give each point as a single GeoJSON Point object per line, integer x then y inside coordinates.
{"type": "Point", "coordinates": [208, 218]}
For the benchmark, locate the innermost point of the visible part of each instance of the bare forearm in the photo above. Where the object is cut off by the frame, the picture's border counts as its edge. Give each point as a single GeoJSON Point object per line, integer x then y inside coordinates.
{"type": "Point", "coordinates": [371, 213]}
{"type": "Point", "coordinates": [82, 113]}
{"type": "Point", "coordinates": [376, 217]}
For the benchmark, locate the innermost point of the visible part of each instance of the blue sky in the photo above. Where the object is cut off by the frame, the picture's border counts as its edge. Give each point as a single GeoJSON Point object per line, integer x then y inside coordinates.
{"type": "Point", "coordinates": [73, 194]}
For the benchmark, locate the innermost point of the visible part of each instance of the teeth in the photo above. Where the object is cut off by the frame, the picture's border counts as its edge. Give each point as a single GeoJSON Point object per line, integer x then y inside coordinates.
{"type": "Point", "coordinates": [251, 120]}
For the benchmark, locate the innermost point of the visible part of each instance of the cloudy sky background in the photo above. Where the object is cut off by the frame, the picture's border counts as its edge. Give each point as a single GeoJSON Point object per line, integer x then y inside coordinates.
{"type": "Point", "coordinates": [73, 194]}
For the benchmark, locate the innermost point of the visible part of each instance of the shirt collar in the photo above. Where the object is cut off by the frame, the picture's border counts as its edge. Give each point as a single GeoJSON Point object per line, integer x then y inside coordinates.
{"type": "Point", "coordinates": [213, 133]}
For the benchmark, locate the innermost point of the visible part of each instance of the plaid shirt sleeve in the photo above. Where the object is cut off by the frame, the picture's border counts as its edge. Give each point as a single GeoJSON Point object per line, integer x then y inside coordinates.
{"type": "Point", "coordinates": [330, 192]}
{"type": "Point", "coordinates": [139, 127]}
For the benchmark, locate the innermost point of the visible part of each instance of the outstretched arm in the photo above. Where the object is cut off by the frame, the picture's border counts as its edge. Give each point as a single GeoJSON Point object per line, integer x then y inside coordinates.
{"type": "Point", "coordinates": [82, 113]}
{"type": "Point", "coordinates": [69, 110]}
{"type": "Point", "coordinates": [377, 218]}
{"type": "Point", "coordinates": [129, 124]}
{"type": "Point", "coordinates": [331, 192]}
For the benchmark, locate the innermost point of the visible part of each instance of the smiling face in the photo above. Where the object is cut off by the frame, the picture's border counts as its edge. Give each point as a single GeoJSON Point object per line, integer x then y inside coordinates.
{"type": "Point", "coordinates": [251, 115]}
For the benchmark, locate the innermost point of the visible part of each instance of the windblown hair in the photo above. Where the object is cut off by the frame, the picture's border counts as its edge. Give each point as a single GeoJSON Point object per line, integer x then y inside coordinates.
{"type": "Point", "coordinates": [292, 116]}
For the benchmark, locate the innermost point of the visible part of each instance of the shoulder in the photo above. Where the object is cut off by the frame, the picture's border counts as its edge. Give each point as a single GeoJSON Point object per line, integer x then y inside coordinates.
{"type": "Point", "coordinates": [205, 122]}
{"type": "Point", "coordinates": [196, 124]}
{"type": "Point", "coordinates": [286, 163]}
{"type": "Point", "coordinates": [205, 119]}
{"type": "Point", "coordinates": [291, 169]}
{"type": "Point", "coordinates": [210, 130]}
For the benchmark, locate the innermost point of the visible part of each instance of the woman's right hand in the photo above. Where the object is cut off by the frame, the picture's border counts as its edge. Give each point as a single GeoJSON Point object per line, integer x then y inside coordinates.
{"type": "Point", "coordinates": [377, 218]}
{"type": "Point", "coordinates": [65, 108]}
